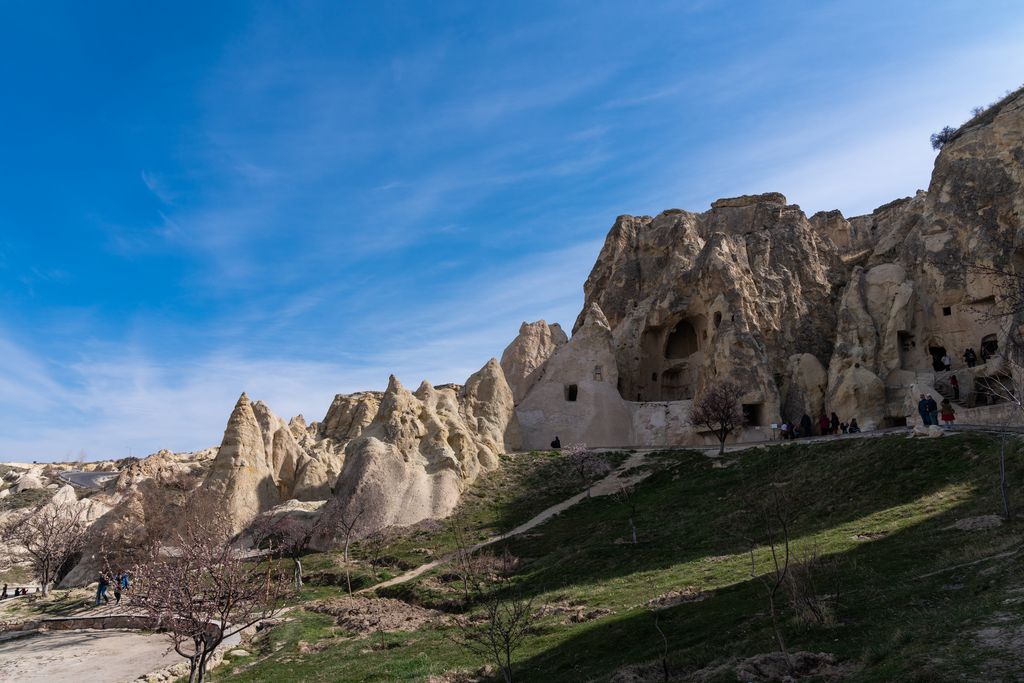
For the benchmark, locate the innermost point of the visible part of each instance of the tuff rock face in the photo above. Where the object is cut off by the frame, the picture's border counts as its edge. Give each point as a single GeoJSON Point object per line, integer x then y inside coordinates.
{"type": "Point", "coordinates": [523, 360]}
{"type": "Point", "coordinates": [421, 449]}
{"type": "Point", "coordinates": [810, 315]}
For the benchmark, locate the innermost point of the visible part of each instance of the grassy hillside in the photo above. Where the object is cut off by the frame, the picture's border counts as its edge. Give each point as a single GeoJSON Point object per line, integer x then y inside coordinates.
{"type": "Point", "coordinates": [907, 596]}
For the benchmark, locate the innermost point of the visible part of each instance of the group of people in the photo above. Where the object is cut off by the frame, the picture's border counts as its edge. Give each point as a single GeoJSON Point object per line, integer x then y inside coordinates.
{"type": "Point", "coordinates": [120, 584]}
{"type": "Point", "coordinates": [825, 426]}
{"type": "Point", "coordinates": [971, 358]}
{"type": "Point", "coordinates": [17, 592]}
{"type": "Point", "coordinates": [929, 410]}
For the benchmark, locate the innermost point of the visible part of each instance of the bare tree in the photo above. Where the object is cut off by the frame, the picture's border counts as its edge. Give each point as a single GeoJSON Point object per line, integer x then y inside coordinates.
{"type": "Point", "coordinates": [50, 535]}
{"type": "Point", "coordinates": [585, 463]}
{"type": "Point", "coordinates": [626, 496]}
{"type": "Point", "coordinates": [291, 537]}
{"type": "Point", "coordinates": [770, 513]}
{"type": "Point", "coordinates": [505, 623]}
{"type": "Point", "coordinates": [718, 410]}
{"type": "Point", "coordinates": [205, 590]}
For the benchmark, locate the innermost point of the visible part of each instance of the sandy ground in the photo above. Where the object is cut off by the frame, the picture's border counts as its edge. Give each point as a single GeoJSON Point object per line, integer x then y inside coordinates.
{"type": "Point", "coordinates": [109, 656]}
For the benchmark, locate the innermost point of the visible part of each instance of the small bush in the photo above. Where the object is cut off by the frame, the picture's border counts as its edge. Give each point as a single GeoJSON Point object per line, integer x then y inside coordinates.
{"type": "Point", "coordinates": [942, 137]}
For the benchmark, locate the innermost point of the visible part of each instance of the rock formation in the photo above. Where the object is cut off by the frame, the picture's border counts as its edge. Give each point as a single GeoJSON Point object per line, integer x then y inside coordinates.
{"type": "Point", "coordinates": [810, 315]}
{"type": "Point", "coordinates": [523, 360]}
{"type": "Point", "coordinates": [421, 449]}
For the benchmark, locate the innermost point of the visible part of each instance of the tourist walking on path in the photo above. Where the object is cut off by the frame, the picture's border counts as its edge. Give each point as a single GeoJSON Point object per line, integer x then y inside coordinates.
{"type": "Point", "coordinates": [3, 596]}
{"type": "Point", "coordinates": [101, 591]}
{"type": "Point", "coordinates": [805, 425]}
{"type": "Point", "coordinates": [933, 410]}
{"type": "Point", "coordinates": [922, 409]}
{"type": "Point", "coordinates": [947, 362]}
{"type": "Point", "coordinates": [970, 358]}
{"type": "Point", "coordinates": [956, 387]}
{"type": "Point", "coordinates": [834, 424]}
{"type": "Point", "coordinates": [117, 589]}
{"type": "Point", "coordinates": [823, 425]}
{"type": "Point", "coordinates": [947, 412]}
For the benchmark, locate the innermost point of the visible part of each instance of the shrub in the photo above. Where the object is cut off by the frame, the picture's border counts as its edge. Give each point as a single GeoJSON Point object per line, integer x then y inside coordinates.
{"type": "Point", "coordinates": [942, 137]}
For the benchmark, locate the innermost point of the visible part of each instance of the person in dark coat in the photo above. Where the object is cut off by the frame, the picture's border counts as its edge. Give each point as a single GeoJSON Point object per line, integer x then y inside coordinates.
{"type": "Point", "coordinates": [933, 410]}
{"type": "Point", "coordinates": [834, 424]}
{"type": "Point", "coordinates": [806, 427]}
{"type": "Point", "coordinates": [101, 590]}
{"type": "Point", "coordinates": [556, 443]}
{"type": "Point", "coordinates": [922, 410]}
{"type": "Point", "coordinates": [854, 428]}
{"type": "Point", "coordinates": [970, 358]}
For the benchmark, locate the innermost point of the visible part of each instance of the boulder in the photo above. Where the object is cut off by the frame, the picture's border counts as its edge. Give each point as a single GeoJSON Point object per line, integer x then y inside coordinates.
{"type": "Point", "coordinates": [858, 394]}
{"type": "Point", "coordinates": [27, 483]}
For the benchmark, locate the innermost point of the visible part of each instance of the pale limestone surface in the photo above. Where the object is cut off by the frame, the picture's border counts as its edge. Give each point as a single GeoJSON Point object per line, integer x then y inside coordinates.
{"type": "Point", "coordinates": [421, 449]}
{"type": "Point", "coordinates": [83, 656]}
{"type": "Point", "coordinates": [523, 360]}
{"type": "Point", "coordinates": [598, 416]}
{"type": "Point", "coordinates": [752, 290]}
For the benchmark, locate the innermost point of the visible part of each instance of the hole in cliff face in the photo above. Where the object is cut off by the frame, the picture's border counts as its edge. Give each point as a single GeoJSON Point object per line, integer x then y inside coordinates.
{"type": "Point", "coordinates": [906, 347]}
{"type": "Point", "coordinates": [682, 343]}
{"type": "Point", "coordinates": [990, 344]}
{"type": "Point", "coordinates": [754, 414]}
{"type": "Point", "coordinates": [937, 353]}
{"type": "Point", "coordinates": [718, 320]}
{"type": "Point", "coordinates": [571, 392]}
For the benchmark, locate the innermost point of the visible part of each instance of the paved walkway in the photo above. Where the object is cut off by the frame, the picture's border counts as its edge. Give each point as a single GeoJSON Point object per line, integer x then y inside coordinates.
{"type": "Point", "coordinates": [83, 656]}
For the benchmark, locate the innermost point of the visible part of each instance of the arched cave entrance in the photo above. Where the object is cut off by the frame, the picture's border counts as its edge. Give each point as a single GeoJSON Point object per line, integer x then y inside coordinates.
{"type": "Point", "coordinates": [682, 342]}
{"type": "Point", "coordinates": [990, 343]}
{"type": "Point", "coordinates": [937, 352]}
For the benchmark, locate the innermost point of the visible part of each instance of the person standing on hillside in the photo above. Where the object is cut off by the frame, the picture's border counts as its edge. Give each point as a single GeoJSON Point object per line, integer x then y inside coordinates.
{"type": "Point", "coordinates": [933, 410]}
{"type": "Point", "coordinates": [922, 409]}
{"type": "Point", "coordinates": [823, 424]}
{"type": "Point", "coordinates": [970, 358]}
{"type": "Point", "coordinates": [956, 387]}
{"type": "Point", "coordinates": [834, 424]}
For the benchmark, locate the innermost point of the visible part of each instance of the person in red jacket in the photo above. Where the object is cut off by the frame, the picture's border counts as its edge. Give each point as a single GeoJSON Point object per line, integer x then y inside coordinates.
{"type": "Point", "coordinates": [823, 423]}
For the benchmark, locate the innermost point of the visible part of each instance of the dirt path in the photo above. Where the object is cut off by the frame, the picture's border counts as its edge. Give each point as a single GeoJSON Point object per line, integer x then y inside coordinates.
{"type": "Point", "coordinates": [609, 484]}
{"type": "Point", "coordinates": [83, 656]}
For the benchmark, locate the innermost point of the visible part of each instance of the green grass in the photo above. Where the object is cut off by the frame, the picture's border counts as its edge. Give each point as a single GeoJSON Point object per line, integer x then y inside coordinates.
{"type": "Point", "coordinates": [910, 609]}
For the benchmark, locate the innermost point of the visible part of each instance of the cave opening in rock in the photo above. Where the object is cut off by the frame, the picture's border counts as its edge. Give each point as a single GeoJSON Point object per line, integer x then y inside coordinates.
{"type": "Point", "coordinates": [571, 392]}
{"type": "Point", "coordinates": [682, 342]}
{"type": "Point", "coordinates": [990, 344]}
{"type": "Point", "coordinates": [937, 352]}
{"type": "Point", "coordinates": [906, 347]}
{"type": "Point", "coordinates": [754, 413]}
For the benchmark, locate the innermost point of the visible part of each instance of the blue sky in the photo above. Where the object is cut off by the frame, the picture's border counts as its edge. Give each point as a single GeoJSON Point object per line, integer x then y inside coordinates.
{"type": "Point", "coordinates": [298, 199]}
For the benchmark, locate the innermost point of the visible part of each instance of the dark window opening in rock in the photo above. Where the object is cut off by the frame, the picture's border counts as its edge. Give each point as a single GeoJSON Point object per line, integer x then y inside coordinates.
{"type": "Point", "coordinates": [937, 352]}
{"type": "Point", "coordinates": [989, 391]}
{"type": "Point", "coordinates": [654, 377]}
{"type": "Point", "coordinates": [718, 320]}
{"type": "Point", "coordinates": [906, 347]}
{"type": "Point", "coordinates": [1018, 261]}
{"type": "Point", "coordinates": [754, 414]}
{"type": "Point", "coordinates": [946, 310]}
{"type": "Point", "coordinates": [734, 259]}
{"type": "Point", "coordinates": [895, 422]}
{"type": "Point", "coordinates": [682, 343]}
{"type": "Point", "coordinates": [733, 317]}
{"type": "Point", "coordinates": [990, 344]}
{"type": "Point", "coordinates": [570, 392]}
{"type": "Point", "coordinates": [705, 335]}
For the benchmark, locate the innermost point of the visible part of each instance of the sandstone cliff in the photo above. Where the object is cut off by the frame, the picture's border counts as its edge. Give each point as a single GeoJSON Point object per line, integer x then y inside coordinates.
{"type": "Point", "coordinates": [810, 315]}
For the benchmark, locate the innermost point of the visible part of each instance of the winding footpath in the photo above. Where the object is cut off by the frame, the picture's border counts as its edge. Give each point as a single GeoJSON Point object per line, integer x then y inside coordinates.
{"type": "Point", "coordinates": [606, 486]}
